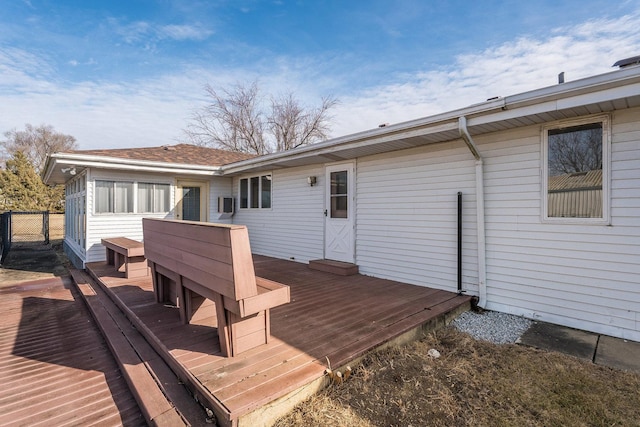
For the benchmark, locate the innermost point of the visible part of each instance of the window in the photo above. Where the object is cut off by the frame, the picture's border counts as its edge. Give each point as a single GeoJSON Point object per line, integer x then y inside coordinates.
{"type": "Point", "coordinates": [114, 197]}
{"type": "Point", "coordinates": [339, 196]}
{"type": "Point", "coordinates": [75, 218]}
{"type": "Point", "coordinates": [255, 192]}
{"type": "Point", "coordinates": [576, 168]}
{"type": "Point", "coordinates": [153, 198]}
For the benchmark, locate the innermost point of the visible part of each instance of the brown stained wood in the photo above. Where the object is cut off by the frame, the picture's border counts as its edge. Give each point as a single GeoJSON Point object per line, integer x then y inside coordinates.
{"type": "Point", "coordinates": [232, 286]}
{"type": "Point", "coordinates": [270, 294]}
{"type": "Point", "coordinates": [336, 316]}
{"type": "Point", "coordinates": [193, 267]}
{"type": "Point", "coordinates": [183, 244]}
{"type": "Point", "coordinates": [244, 275]}
{"type": "Point", "coordinates": [124, 245]}
{"type": "Point", "coordinates": [72, 379]}
{"type": "Point", "coordinates": [199, 231]}
{"type": "Point", "coordinates": [335, 267]}
{"type": "Point", "coordinates": [127, 256]}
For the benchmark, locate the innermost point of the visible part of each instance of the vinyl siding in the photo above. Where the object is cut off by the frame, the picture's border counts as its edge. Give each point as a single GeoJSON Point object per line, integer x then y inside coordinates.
{"type": "Point", "coordinates": [407, 216]}
{"type": "Point", "coordinates": [113, 225]}
{"type": "Point", "coordinates": [294, 226]}
{"type": "Point", "coordinates": [583, 276]}
{"type": "Point", "coordinates": [219, 187]}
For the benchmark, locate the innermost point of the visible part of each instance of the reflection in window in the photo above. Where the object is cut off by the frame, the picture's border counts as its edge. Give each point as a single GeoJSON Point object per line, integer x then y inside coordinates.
{"type": "Point", "coordinates": [339, 196]}
{"type": "Point", "coordinates": [255, 192]}
{"type": "Point", "coordinates": [244, 193]}
{"type": "Point", "coordinates": [123, 197]}
{"type": "Point", "coordinates": [104, 196]}
{"type": "Point", "coordinates": [191, 203]}
{"type": "Point", "coordinates": [153, 198]}
{"type": "Point", "coordinates": [265, 191]}
{"type": "Point", "coordinates": [574, 167]}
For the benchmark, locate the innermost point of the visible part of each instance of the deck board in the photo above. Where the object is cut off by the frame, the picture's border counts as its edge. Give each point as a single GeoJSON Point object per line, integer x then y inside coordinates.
{"type": "Point", "coordinates": [340, 317]}
{"type": "Point", "coordinates": [54, 367]}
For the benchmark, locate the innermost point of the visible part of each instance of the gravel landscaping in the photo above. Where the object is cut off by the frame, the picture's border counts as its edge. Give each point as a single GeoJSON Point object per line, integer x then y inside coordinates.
{"type": "Point", "coordinates": [498, 328]}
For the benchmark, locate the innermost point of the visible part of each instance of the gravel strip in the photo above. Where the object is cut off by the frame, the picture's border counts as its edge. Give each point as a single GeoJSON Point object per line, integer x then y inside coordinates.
{"type": "Point", "coordinates": [498, 328]}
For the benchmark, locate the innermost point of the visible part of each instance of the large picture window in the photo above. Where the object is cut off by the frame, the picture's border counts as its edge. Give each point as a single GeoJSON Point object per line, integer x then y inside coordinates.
{"type": "Point", "coordinates": [576, 171]}
{"type": "Point", "coordinates": [153, 198]}
{"type": "Point", "coordinates": [255, 192]}
{"type": "Point", "coordinates": [129, 197]}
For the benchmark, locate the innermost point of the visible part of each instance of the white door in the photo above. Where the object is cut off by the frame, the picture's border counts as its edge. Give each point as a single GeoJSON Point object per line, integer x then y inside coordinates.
{"type": "Point", "coordinates": [339, 213]}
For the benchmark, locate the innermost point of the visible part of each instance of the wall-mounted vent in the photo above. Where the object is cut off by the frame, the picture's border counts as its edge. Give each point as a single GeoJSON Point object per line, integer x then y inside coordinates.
{"type": "Point", "coordinates": [635, 60]}
{"type": "Point", "coordinates": [225, 205]}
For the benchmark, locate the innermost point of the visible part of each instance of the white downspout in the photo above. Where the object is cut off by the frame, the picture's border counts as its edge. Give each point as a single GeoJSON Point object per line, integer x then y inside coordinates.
{"type": "Point", "coordinates": [482, 255]}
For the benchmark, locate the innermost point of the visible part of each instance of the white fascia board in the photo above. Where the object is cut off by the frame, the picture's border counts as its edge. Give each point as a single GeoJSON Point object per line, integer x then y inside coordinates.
{"type": "Point", "coordinates": [603, 87]}
{"type": "Point", "coordinates": [346, 143]}
{"type": "Point", "coordinates": [103, 162]}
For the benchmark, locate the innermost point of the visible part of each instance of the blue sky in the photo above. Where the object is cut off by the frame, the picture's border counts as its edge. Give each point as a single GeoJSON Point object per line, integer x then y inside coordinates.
{"type": "Point", "coordinates": [122, 73]}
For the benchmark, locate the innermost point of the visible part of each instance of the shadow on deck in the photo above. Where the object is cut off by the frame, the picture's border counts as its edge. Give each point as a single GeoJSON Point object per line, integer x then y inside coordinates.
{"type": "Point", "coordinates": [339, 318]}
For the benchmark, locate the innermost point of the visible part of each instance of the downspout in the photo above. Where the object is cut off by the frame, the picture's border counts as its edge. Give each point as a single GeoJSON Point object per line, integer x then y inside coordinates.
{"type": "Point", "coordinates": [482, 256]}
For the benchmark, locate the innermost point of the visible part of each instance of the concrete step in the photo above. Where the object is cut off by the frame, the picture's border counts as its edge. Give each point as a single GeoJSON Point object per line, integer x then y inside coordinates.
{"type": "Point", "coordinates": [336, 267]}
{"type": "Point", "coordinates": [160, 394]}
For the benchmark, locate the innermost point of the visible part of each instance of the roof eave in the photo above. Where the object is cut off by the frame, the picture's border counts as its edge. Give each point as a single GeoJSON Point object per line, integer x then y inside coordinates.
{"type": "Point", "coordinates": [604, 87]}
{"type": "Point", "coordinates": [81, 161]}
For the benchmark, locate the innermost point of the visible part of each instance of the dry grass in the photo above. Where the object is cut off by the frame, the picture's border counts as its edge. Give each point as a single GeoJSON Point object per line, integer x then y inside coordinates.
{"type": "Point", "coordinates": [474, 383]}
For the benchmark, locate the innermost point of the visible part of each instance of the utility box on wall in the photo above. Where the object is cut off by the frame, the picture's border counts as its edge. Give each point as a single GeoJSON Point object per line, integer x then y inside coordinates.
{"type": "Point", "coordinates": [226, 207]}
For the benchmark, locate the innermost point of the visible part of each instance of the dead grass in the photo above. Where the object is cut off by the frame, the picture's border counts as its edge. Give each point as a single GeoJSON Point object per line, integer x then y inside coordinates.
{"type": "Point", "coordinates": [474, 383]}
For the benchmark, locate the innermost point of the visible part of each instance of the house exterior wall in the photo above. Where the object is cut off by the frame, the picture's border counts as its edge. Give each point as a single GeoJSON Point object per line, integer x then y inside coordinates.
{"type": "Point", "coordinates": [582, 276]}
{"type": "Point", "coordinates": [293, 228]}
{"type": "Point", "coordinates": [100, 226]}
{"type": "Point", "coordinates": [407, 222]}
{"type": "Point", "coordinates": [578, 275]}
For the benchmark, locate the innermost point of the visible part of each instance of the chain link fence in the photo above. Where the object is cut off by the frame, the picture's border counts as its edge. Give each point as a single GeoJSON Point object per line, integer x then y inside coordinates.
{"type": "Point", "coordinates": [29, 228]}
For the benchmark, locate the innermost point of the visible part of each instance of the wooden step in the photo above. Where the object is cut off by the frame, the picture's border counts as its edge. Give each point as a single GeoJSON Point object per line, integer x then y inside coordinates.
{"type": "Point", "coordinates": [161, 396]}
{"type": "Point", "coordinates": [336, 267]}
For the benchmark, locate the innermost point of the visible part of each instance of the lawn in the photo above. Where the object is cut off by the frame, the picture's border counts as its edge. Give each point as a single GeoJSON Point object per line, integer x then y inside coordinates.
{"type": "Point", "coordinates": [473, 383]}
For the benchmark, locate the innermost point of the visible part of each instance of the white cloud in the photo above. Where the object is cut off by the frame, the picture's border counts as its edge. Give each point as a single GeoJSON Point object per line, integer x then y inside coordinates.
{"type": "Point", "coordinates": [184, 32]}
{"type": "Point", "coordinates": [146, 32]}
{"type": "Point", "coordinates": [518, 66]}
{"type": "Point", "coordinates": [152, 112]}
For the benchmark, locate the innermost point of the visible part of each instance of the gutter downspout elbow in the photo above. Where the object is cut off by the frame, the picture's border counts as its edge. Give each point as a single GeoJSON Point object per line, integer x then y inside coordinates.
{"type": "Point", "coordinates": [480, 218]}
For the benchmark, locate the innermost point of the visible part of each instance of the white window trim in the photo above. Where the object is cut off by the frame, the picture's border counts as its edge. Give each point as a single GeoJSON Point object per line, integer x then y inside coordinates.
{"type": "Point", "coordinates": [248, 178]}
{"type": "Point", "coordinates": [606, 170]}
{"type": "Point", "coordinates": [135, 196]}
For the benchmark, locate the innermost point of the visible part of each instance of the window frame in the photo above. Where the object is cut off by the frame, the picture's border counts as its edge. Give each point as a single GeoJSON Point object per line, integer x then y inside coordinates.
{"type": "Point", "coordinates": [250, 203]}
{"type": "Point", "coordinates": [154, 186]}
{"type": "Point", "coordinates": [605, 121]}
{"type": "Point", "coordinates": [134, 202]}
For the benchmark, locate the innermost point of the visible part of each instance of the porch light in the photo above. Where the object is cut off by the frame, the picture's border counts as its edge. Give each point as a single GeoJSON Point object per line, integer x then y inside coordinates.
{"type": "Point", "coordinates": [311, 180]}
{"type": "Point", "coordinates": [71, 170]}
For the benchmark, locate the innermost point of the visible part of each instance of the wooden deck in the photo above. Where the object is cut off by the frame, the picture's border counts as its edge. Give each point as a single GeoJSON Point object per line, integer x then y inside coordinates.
{"type": "Point", "coordinates": [335, 317]}
{"type": "Point", "coordinates": [54, 367]}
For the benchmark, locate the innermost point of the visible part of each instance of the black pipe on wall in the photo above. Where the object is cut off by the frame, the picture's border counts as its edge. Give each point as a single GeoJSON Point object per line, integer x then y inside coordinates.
{"type": "Point", "coordinates": [459, 243]}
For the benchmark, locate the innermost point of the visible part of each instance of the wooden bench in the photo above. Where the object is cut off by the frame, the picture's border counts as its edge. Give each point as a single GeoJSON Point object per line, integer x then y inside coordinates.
{"type": "Point", "coordinates": [127, 256]}
{"type": "Point", "coordinates": [193, 261]}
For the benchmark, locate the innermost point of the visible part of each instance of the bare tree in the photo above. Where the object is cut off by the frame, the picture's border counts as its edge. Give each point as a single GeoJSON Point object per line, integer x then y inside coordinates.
{"type": "Point", "coordinates": [293, 126]}
{"type": "Point", "coordinates": [577, 149]}
{"type": "Point", "coordinates": [236, 120]}
{"type": "Point", "coordinates": [36, 143]}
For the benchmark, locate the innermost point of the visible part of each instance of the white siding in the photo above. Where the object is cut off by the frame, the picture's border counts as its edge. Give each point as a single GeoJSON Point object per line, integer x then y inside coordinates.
{"type": "Point", "coordinates": [583, 276]}
{"type": "Point", "coordinates": [114, 225]}
{"type": "Point", "coordinates": [407, 216]}
{"type": "Point", "coordinates": [219, 187]}
{"type": "Point", "coordinates": [293, 228]}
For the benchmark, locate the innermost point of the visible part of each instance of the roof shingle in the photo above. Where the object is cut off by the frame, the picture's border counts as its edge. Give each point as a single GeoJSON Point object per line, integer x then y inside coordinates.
{"type": "Point", "coordinates": [175, 154]}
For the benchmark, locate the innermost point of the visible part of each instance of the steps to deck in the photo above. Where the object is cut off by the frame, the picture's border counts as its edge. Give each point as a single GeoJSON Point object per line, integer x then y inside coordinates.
{"type": "Point", "coordinates": [336, 267]}
{"type": "Point", "coordinates": [161, 396]}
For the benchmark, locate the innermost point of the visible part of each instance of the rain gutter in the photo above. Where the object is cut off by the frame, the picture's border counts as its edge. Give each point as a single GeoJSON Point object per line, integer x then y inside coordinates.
{"type": "Point", "coordinates": [480, 220]}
